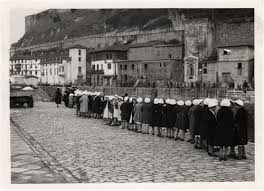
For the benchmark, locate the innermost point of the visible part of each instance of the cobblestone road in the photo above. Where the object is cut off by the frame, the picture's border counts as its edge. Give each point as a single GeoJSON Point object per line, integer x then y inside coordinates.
{"type": "Point", "coordinates": [89, 151]}
{"type": "Point", "coordinates": [26, 166]}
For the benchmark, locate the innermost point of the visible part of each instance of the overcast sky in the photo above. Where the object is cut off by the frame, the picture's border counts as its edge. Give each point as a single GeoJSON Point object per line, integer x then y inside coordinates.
{"type": "Point", "coordinates": [17, 22]}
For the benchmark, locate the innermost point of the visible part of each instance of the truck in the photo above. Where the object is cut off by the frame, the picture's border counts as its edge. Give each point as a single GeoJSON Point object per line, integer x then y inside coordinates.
{"type": "Point", "coordinates": [19, 96]}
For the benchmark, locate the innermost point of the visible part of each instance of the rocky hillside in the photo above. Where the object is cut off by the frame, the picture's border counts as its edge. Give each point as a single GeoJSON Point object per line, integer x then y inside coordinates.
{"type": "Point", "coordinates": [58, 24]}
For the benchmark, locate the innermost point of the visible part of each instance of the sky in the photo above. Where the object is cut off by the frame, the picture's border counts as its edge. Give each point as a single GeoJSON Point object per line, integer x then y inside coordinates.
{"type": "Point", "coordinates": [17, 22]}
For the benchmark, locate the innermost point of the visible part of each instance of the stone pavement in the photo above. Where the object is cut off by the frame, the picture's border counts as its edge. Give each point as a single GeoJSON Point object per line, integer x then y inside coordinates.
{"type": "Point", "coordinates": [26, 166]}
{"type": "Point", "coordinates": [86, 150]}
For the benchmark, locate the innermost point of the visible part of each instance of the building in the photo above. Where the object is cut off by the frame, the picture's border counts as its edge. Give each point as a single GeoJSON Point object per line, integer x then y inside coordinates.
{"type": "Point", "coordinates": [151, 63]}
{"type": "Point", "coordinates": [234, 65]}
{"type": "Point", "coordinates": [25, 65]}
{"type": "Point", "coordinates": [54, 66]}
{"type": "Point", "coordinates": [104, 64]}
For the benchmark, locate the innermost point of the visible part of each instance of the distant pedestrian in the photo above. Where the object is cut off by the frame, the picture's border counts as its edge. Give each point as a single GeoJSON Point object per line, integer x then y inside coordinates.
{"type": "Point", "coordinates": [138, 114]}
{"type": "Point", "coordinates": [181, 122]}
{"type": "Point", "coordinates": [71, 100]}
{"type": "Point", "coordinates": [58, 97]}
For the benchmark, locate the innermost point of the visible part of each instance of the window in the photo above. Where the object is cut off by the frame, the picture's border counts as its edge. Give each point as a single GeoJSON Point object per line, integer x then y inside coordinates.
{"type": "Point", "coordinates": [30, 65]}
{"type": "Point", "coordinates": [106, 56]}
{"type": "Point", "coordinates": [22, 61]}
{"type": "Point", "coordinates": [97, 66]}
{"type": "Point", "coordinates": [146, 66]}
{"type": "Point", "coordinates": [169, 55]}
{"type": "Point", "coordinates": [93, 67]}
{"type": "Point", "coordinates": [160, 65]}
{"type": "Point", "coordinates": [132, 66]}
{"type": "Point", "coordinates": [121, 67]}
{"type": "Point", "coordinates": [46, 72]}
{"type": "Point", "coordinates": [36, 73]}
{"type": "Point", "coordinates": [205, 70]}
{"type": "Point", "coordinates": [51, 71]}
{"type": "Point", "coordinates": [164, 64]}
{"type": "Point", "coordinates": [79, 52]}
{"type": "Point", "coordinates": [125, 67]}
{"type": "Point", "coordinates": [110, 56]}
{"type": "Point", "coordinates": [109, 66]}
{"type": "Point", "coordinates": [239, 68]}
{"type": "Point", "coordinates": [79, 69]}
{"type": "Point", "coordinates": [36, 60]}
{"type": "Point", "coordinates": [79, 59]}
{"type": "Point", "coordinates": [54, 71]}
{"type": "Point", "coordinates": [30, 72]}
{"type": "Point", "coordinates": [36, 67]}
{"type": "Point", "coordinates": [101, 66]}
{"type": "Point", "coordinates": [226, 52]}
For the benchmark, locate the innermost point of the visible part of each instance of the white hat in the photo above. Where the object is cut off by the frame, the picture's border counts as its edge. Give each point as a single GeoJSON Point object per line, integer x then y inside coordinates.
{"type": "Point", "coordinates": [195, 102]}
{"type": "Point", "coordinates": [130, 99]}
{"type": "Point", "coordinates": [188, 103]}
{"type": "Point", "coordinates": [167, 101]}
{"type": "Point", "coordinates": [172, 101]}
{"type": "Point", "coordinates": [156, 100]}
{"type": "Point", "coordinates": [200, 101]}
{"type": "Point", "coordinates": [139, 100]}
{"type": "Point", "coordinates": [126, 98]}
{"type": "Point", "coordinates": [161, 101]}
{"type": "Point", "coordinates": [146, 100]}
{"type": "Point", "coordinates": [225, 103]}
{"type": "Point", "coordinates": [180, 103]}
{"type": "Point", "coordinates": [239, 102]}
{"type": "Point", "coordinates": [206, 101]}
{"type": "Point", "coordinates": [212, 103]}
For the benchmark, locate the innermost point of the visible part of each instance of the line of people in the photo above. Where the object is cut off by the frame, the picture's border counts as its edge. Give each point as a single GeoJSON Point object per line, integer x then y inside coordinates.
{"type": "Point", "coordinates": [211, 126]}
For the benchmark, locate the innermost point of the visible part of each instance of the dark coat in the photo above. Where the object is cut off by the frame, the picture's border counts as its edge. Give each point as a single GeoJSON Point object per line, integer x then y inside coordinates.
{"type": "Point", "coordinates": [125, 111]}
{"type": "Point", "coordinates": [203, 122]}
{"type": "Point", "coordinates": [97, 105]}
{"type": "Point", "coordinates": [58, 97]}
{"type": "Point", "coordinates": [211, 127]}
{"type": "Point", "coordinates": [146, 112]}
{"type": "Point", "coordinates": [156, 116]}
{"type": "Point", "coordinates": [225, 127]}
{"type": "Point", "coordinates": [90, 103]}
{"type": "Point", "coordinates": [182, 118]}
{"type": "Point", "coordinates": [241, 121]}
{"type": "Point", "coordinates": [170, 116]}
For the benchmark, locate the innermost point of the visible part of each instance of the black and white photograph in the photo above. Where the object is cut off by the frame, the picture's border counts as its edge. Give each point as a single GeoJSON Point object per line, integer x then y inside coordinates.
{"type": "Point", "coordinates": [131, 95]}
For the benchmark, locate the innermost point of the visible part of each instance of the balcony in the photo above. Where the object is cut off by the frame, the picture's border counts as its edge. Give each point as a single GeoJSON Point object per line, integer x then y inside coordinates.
{"type": "Point", "coordinates": [97, 71]}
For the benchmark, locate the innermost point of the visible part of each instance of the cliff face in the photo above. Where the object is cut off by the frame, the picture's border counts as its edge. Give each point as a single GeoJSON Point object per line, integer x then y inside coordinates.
{"type": "Point", "coordinates": [61, 24]}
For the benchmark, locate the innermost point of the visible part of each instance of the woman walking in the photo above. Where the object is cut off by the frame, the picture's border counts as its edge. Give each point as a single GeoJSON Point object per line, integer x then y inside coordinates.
{"type": "Point", "coordinates": [58, 97]}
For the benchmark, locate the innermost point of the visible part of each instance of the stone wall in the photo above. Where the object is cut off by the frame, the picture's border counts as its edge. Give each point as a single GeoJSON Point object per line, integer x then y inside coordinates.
{"type": "Point", "coordinates": [231, 33]}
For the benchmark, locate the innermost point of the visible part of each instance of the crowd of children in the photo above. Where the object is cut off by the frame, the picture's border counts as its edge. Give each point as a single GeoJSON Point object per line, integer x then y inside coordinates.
{"type": "Point", "coordinates": [211, 126]}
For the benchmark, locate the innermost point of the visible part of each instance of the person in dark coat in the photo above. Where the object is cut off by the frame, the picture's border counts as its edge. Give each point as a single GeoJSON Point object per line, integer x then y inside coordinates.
{"type": "Point", "coordinates": [211, 125]}
{"type": "Point", "coordinates": [138, 114]}
{"type": "Point", "coordinates": [181, 120]}
{"type": "Point", "coordinates": [58, 97]}
{"type": "Point", "coordinates": [241, 122]}
{"type": "Point", "coordinates": [164, 110]}
{"type": "Point", "coordinates": [90, 105]}
{"type": "Point", "coordinates": [224, 136]}
{"type": "Point", "coordinates": [204, 124]}
{"type": "Point", "coordinates": [156, 117]}
{"type": "Point", "coordinates": [66, 97]}
{"type": "Point", "coordinates": [171, 117]}
{"type": "Point", "coordinates": [78, 104]}
{"type": "Point", "coordinates": [197, 115]}
{"type": "Point", "coordinates": [194, 121]}
{"type": "Point", "coordinates": [146, 115]}
{"type": "Point", "coordinates": [97, 106]}
{"type": "Point", "coordinates": [125, 112]}
{"type": "Point", "coordinates": [133, 102]}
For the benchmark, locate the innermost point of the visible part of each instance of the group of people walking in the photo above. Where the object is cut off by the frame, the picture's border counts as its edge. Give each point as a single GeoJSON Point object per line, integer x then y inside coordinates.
{"type": "Point", "coordinates": [211, 126]}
